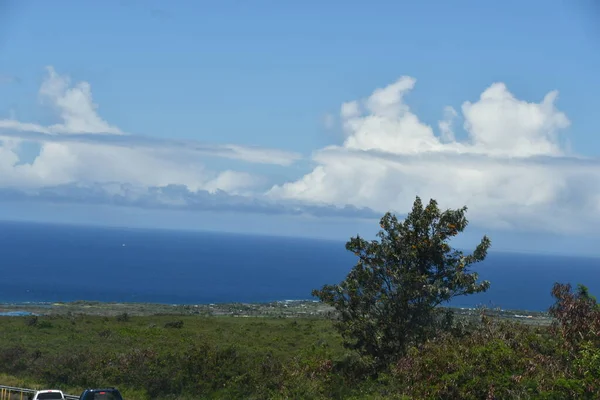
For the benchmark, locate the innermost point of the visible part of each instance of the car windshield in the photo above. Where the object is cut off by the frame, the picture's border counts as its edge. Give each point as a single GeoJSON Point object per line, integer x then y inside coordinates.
{"type": "Point", "coordinates": [103, 395]}
{"type": "Point", "coordinates": [50, 396]}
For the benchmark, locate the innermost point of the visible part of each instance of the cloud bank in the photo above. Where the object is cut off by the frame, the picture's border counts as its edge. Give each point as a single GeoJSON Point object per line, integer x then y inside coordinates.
{"type": "Point", "coordinates": [177, 197]}
{"type": "Point", "coordinates": [84, 148]}
{"type": "Point", "coordinates": [511, 168]}
{"type": "Point", "coordinates": [506, 158]}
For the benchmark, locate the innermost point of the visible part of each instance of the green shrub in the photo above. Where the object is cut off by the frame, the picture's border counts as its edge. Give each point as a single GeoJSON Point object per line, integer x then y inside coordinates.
{"type": "Point", "coordinates": [123, 317]}
{"type": "Point", "coordinates": [174, 324]}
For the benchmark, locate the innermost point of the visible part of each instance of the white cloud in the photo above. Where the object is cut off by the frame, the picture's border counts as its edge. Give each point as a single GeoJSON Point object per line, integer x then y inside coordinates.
{"type": "Point", "coordinates": [510, 170]}
{"type": "Point", "coordinates": [350, 110]}
{"type": "Point", "coordinates": [259, 155]}
{"type": "Point", "coordinates": [84, 148]}
{"type": "Point", "coordinates": [256, 154]}
{"type": "Point", "coordinates": [445, 125]}
{"type": "Point", "coordinates": [231, 182]}
{"type": "Point", "coordinates": [74, 104]}
{"type": "Point", "coordinates": [175, 197]}
{"type": "Point", "coordinates": [500, 124]}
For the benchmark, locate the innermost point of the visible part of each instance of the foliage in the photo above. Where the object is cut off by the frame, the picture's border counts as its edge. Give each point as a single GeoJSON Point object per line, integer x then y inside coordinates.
{"type": "Point", "coordinates": [123, 317]}
{"type": "Point", "coordinates": [174, 324]}
{"type": "Point", "coordinates": [389, 299]}
{"type": "Point", "coordinates": [273, 358]}
{"type": "Point", "coordinates": [587, 366]}
{"type": "Point", "coordinates": [577, 323]}
{"type": "Point", "coordinates": [203, 357]}
{"type": "Point", "coordinates": [577, 315]}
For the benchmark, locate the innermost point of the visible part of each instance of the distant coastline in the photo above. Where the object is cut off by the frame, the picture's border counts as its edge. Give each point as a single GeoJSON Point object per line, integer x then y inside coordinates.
{"type": "Point", "coordinates": [275, 309]}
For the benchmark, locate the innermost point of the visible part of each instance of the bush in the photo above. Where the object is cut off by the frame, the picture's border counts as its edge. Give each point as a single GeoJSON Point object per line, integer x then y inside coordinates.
{"type": "Point", "coordinates": [174, 324]}
{"type": "Point", "coordinates": [124, 317]}
{"type": "Point", "coordinates": [577, 316]}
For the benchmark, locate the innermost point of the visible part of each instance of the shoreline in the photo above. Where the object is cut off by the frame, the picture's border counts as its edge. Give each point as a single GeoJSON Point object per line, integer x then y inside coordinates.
{"type": "Point", "coordinates": [273, 309]}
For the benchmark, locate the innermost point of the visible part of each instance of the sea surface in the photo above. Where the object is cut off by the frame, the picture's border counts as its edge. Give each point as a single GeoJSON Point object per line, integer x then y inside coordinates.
{"type": "Point", "coordinates": [48, 263]}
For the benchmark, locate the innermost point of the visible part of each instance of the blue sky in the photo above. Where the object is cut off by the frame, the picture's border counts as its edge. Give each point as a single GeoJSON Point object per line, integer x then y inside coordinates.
{"type": "Point", "coordinates": [314, 116]}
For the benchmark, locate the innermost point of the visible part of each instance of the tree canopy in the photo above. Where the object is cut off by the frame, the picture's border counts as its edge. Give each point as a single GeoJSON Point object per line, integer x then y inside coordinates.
{"type": "Point", "coordinates": [389, 299]}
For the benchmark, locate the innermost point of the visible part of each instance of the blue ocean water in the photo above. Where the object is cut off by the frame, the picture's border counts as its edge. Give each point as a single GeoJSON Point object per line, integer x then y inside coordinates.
{"type": "Point", "coordinates": [47, 263]}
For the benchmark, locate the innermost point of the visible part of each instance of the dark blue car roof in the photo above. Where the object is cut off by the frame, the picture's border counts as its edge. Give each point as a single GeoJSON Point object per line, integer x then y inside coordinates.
{"type": "Point", "coordinates": [113, 391]}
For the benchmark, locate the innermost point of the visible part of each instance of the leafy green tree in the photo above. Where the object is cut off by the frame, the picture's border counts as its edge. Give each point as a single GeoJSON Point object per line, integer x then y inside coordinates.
{"type": "Point", "coordinates": [390, 299]}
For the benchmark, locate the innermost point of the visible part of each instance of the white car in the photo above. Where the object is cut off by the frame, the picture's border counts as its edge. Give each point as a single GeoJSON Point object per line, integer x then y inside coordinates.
{"type": "Point", "coordinates": [49, 395]}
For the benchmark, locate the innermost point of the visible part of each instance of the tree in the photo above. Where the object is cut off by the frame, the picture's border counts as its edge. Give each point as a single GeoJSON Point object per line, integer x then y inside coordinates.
{"type": "Point", "coordinates": [390, 298]}
{"type": "Point", "coordinates": [576, 315]}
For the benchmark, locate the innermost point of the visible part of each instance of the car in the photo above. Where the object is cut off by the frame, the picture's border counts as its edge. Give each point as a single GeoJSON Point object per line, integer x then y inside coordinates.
{"type": "Point", "coordinates": [101, 394]}
{"type": "Point", "coordinates": [48, 395]}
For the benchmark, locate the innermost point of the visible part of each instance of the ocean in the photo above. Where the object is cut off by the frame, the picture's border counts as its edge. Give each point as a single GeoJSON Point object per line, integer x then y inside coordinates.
{"type": "Point", "coordinates": [50, 263]}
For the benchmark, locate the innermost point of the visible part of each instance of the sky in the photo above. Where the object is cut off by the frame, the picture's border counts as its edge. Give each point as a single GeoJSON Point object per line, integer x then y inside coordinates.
{"type": "Point", "coordinates": [304, 118]}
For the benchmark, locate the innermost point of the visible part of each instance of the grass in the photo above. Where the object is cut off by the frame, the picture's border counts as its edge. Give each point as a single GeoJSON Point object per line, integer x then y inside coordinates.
{"type": "Point", "coordinates": [74, 344]}
{"type": "Point", "coordinates": [98, 334]}
{"type": "Point", "coordinates": [192, 357]}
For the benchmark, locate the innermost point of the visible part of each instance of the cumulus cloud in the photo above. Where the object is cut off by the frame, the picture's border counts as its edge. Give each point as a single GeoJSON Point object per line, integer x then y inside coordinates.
{"type": "Point", "coordinates": [74, 104]}
{"type": "Point", "coordinates": [446, 124]}
{"type": "Point", "coordinates": [500, 124]}
{"type": "Point", "coordinates": [500, 155]}
{"type": "Point", "coordinates": [511, 169]}
{"type": "Point", "coordinates": [84, 148]}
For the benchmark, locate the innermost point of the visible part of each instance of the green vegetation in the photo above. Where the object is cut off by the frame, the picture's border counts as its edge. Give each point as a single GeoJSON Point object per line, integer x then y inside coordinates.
{"type": "Point", "coordinates": [390, 338]}
{"type": "Point", "coordinates": [389, 301]}
{"type": "Point", "coordinates": [153, 357]}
